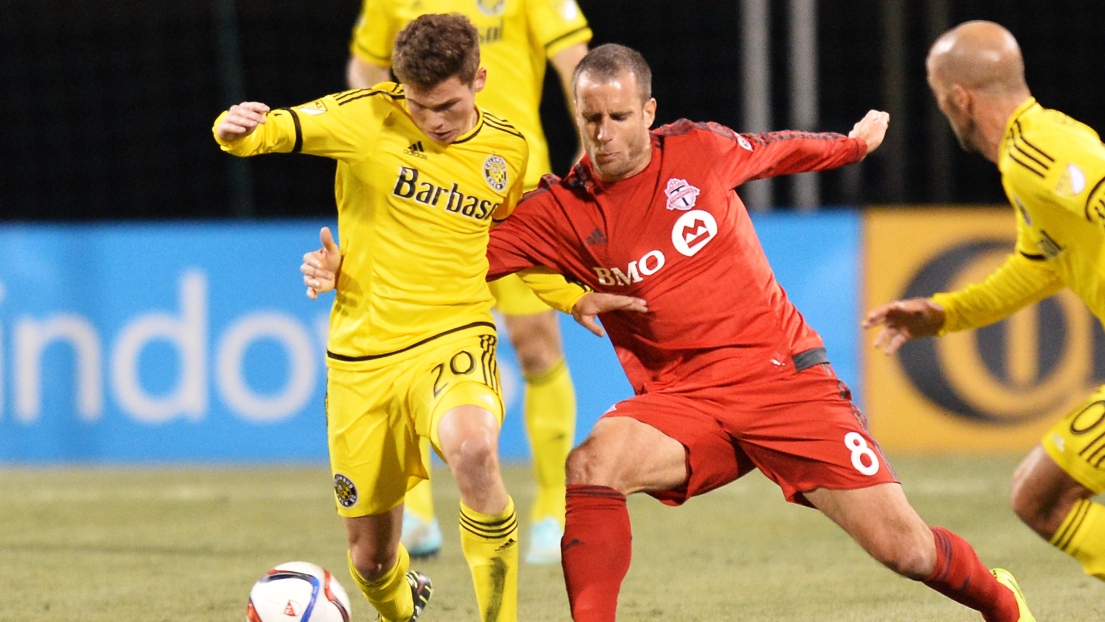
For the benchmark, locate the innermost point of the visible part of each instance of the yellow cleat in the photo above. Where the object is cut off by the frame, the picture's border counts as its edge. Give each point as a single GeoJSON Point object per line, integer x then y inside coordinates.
{"type": "Point", "coordinates": [1007, 579]}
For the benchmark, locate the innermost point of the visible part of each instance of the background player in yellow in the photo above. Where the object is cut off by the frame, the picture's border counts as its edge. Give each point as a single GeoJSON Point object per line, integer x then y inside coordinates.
{"type": "Point", "coordinates": [1053, 171]}
{"type": "Point", "coordinates": [421, 175]}
{"type": "Point", "coordinates": [518, 38]}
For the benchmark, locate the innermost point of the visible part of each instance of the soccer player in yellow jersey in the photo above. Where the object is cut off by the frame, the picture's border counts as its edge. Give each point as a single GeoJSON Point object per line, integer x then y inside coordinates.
{"type": "Point", "coordinates": [518, 39]}
{"type": "Point", "coordinates": [421, 175]}
{"type": "Point", "coordinates": [1053, 171]}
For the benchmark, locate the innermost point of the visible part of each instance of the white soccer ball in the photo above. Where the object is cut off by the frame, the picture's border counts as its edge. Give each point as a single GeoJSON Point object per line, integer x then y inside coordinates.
{"type": "Point", "coordinates": [298, 592]}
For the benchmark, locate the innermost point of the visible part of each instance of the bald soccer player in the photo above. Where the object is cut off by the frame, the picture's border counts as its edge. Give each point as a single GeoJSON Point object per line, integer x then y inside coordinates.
{"type": "Point", "coordinates": [1053, 171]}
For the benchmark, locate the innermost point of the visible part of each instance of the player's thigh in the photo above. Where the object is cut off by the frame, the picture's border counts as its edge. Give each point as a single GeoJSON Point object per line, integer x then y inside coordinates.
{"type": "Point", "coordinates": [1076, 444]}
{"type": "Point", "coordinates": [513, 297]}
{"type": "Point", "coordinates": [807, 434]}
{"type": "Point", "coordinates": [881, 520]}
{"type": "Point", "coordinates": [668, 445]}
{"type": "Point", "coordinates": [374, 455]}
{"type": "Point", "coordinates": [457, 373]}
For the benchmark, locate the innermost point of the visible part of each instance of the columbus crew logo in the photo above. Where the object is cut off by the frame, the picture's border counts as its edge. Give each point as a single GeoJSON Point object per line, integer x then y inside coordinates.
{"type": "Point", "coordinates": [495, 173]}
{"type": "Point", "coordinates": [681, 195]}
{"type": "Point", "coordinates": [345, 490]}
{"type": "Point", "coordinates": [491, 7]}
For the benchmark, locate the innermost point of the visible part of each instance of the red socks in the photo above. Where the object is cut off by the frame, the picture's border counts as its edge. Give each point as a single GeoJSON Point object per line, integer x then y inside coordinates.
{"type": "Point", "coordinates": [595, 551]}
{"type": "Point", "coordinates": [960, 576]}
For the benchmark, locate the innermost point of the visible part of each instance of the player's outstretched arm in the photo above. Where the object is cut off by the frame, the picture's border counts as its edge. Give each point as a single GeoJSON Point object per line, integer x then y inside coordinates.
{"type": "Point", "coordinates": [871, 129]}
{"type": "Point", "coordinates": [588, 308]}
{"type": "Point", "coordinates": [903, 320]}
{"type": "Point", "coordinates": [240, 121]}
{"type": "Point", "coordinates": [321, 267]}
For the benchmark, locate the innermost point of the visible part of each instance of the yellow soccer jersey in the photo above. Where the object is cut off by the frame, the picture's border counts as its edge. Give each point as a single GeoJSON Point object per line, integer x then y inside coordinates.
{"type": "Point", "coordinates": [413, 215]}
{"type": "Point", "coordinates": [1053, 171]}
{"type": "Point", "coordinates": [516, 38]}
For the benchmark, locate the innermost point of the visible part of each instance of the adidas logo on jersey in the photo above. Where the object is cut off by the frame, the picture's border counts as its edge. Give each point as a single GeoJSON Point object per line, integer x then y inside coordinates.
{"type": "Point", "coordinates": [416, 150]}
{"type": "Point", "coordinates": [597, 237]}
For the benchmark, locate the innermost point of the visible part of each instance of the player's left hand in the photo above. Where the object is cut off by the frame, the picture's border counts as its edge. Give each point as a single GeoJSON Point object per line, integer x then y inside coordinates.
{"type": "Point", "coordinates": [593, 303]}
{"type": "Point", "coordinates": [904, 320]}
{"type": "Point", "coordinates": [871, 129]}
{"type": "Point", "coordinates": [321, 268]}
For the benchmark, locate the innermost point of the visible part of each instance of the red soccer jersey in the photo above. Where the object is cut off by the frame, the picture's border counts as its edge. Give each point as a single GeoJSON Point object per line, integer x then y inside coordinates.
{"type": "Point", "coordinates": [677, 235]}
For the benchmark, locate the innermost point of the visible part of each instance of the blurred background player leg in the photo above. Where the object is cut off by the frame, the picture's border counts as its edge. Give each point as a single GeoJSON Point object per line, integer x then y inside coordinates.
{"type": "Point", "coordinates": [421, 531]}
{"type": "Point", "coordinates": [550, 409]}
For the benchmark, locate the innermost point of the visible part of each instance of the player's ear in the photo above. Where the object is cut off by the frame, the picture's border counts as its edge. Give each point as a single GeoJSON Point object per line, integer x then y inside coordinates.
{"type": "Point", "coordinates": [650, 111]}
{"type": "Point", "coordinates": [480, 80]}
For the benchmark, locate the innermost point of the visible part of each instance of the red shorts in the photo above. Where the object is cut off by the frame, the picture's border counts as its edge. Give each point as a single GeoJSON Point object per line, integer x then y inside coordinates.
{"type": "Point", "coordinates": [800, 429]}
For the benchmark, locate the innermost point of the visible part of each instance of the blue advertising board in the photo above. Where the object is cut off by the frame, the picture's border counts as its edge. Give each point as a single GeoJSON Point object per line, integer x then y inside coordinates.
{"type": "Point", "coordinates": [195, 343]}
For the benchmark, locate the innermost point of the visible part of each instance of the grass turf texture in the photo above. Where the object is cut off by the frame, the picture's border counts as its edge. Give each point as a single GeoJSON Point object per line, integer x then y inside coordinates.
{"type": "Point", "coordinates": [164, 544]}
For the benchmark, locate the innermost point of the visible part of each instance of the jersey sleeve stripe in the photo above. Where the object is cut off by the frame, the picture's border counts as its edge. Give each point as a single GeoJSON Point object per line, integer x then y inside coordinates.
{"type": "Point", "coordinates": [508, 129]}
{"type": "Point", "coordinates": [570, 33]}
{"type": "Point", "coordinates": [1018, 135]}
{"type": "Point", "coordinates": [355, 95]}
{"type": "Point", "coordinates": [1020, 149]}
{"type": "Point", "coordinates": [1026, 165]}
{"type": "Point", "coordinates": [1033, 257]}
{"type": "Point", "coordinates": [298, 145]}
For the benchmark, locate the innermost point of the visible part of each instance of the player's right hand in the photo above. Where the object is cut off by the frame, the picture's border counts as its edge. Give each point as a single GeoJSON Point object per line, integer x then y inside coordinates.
{"type": "Point", "coordinates": [903, 320]}
{"type": "Point", "coordinates": [241, 120]}
{"type": "Point", "coordinates": [321, 268]}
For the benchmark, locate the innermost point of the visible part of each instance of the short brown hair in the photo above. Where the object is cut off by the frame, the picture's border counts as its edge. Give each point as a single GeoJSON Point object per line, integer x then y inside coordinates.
{"type": "Point", "coordinates": [607, 62]}
{"type": "Point", "coordinates": [434, 48]}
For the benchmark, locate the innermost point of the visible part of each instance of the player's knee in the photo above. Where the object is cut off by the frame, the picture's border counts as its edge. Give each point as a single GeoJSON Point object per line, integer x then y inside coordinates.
{"type": "Point", "coordinates": [910, 558]}
{"type": "Point", "coordinates": [536, 342]}
{"type": "Point", "coordinates": [476, 454]}
{"type": "Point", "coordinates": [372, 562]}
{"type": "Point", "coordinates": [584, 466]}
{"type": "Point", "coordinates": [1031, 509]}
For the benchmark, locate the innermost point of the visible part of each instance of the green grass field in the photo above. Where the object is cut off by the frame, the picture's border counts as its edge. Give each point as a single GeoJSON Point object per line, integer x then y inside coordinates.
{"type": "Point", "coordinates": [181, 545]}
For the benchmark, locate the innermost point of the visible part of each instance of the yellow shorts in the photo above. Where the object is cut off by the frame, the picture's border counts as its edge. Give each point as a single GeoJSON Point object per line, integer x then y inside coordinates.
{"type": "Point", "coordinates": [513, 297]}
{"type": "Point", "coordinates": [375, 416]}
{"type": "Point", "coordinates": [1077, 443]}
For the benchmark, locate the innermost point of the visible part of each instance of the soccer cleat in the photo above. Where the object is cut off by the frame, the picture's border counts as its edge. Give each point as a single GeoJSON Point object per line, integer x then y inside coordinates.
{"type": "Point", "coordinates": [544, 542]}
{"type": "Point", "coordinates": [421, 591]}
{"type": "Point", "coordinates": [1006, 578]}
{"type": "Point", "coordinates": [421, 538]}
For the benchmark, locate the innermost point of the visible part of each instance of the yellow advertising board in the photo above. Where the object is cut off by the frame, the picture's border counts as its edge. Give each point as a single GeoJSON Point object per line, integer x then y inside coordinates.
{"type": "Point", "coordinates": [997, 388]}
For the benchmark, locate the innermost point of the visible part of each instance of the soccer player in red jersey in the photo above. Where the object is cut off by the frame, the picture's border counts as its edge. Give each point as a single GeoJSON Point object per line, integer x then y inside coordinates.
{"type": "Point", "coordinates": [727, 374]}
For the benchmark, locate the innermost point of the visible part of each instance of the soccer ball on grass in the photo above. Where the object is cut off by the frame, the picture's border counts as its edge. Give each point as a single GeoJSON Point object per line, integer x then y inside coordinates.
{"type": "Point", "coordinates": [297, 592]}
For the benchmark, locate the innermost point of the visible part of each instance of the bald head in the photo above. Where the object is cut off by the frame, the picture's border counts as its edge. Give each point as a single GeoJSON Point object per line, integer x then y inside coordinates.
{"type": "Point", "coordinates": [981, 56]}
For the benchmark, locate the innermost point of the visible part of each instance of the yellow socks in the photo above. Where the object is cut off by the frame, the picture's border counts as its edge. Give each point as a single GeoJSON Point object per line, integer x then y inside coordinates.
{"type": "Point", "coordinates": [550, 412]}
{"type": "Point", "coordinates": [490, 545]}
{"type": "Point", "coordinates": [420, 499]}
{"type": "Point", "coordinates": [391, 594]}
{"type": "Point", "coordinates": [1082, 536]}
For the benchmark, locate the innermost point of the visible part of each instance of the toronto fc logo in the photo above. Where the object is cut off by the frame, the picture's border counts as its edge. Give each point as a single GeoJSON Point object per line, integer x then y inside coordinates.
{"type": "Point", "coordinates": [681, 195]}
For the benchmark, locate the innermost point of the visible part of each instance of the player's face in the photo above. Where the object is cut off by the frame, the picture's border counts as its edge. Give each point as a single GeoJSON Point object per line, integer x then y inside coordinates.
{"type": "Point", "coordinates": [963, 126]}
{"type": "Point", "coordinates": [447, 110]}
{"type": "Point", "coordinates": [613, 125]}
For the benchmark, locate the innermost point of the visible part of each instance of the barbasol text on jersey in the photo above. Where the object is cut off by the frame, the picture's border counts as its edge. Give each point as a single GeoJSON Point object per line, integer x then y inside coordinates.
{"type": "Point", "coordinates": [407, 186]}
